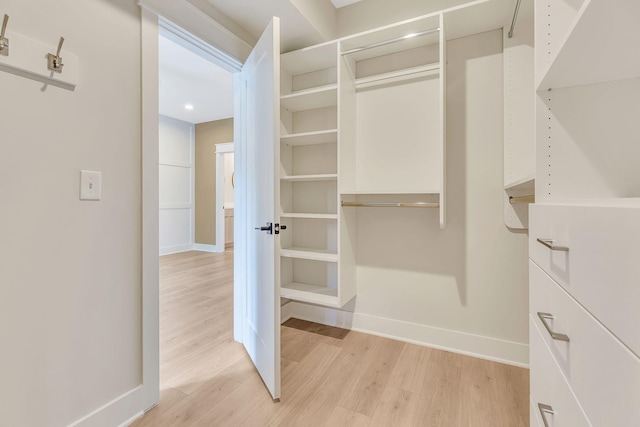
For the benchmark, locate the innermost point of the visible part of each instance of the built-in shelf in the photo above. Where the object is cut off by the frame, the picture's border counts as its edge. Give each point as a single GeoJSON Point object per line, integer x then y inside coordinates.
{"type": "Point", "coordinates": [390, 193]}
{"type": "Point", "coordinates": [329, 136]}
{"type": "Point", "coordinates": [518, 195]}
{"type": "Point", "coordinates": [310, 59]}
{"type": "Point", "coordinates": [312, 254]}
{"type": "Point", "coordinates": [319, 177]}
{"type": "Point", "coordinates": [310, 293]}
{"type": "Point", "coordinates": [612, 34]}
{"type": "Point", "coordinates": [311, 99]}
{"type": "Point", "coordinates": [308, 215]}
{"type": "Point", "coordinates": [528, 183]}
{"type": "Point", "coordinates": [398, 76]}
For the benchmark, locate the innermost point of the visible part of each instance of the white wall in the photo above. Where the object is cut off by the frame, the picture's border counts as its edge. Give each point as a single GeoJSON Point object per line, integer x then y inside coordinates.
{"type": "Point", "coordinates": [176, 185]}
{"type": "Point", "coordinates": [464, 287]}
{"type": "Point", "coordinates": [70, 271]}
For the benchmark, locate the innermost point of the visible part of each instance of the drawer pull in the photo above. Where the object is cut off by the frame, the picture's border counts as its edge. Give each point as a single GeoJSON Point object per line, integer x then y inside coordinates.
{"type": "Point", "coordinates": [556, 336]}
{"type": "Point", "coordinates": [549, 243]}
{"type": "Point", "coordinates": [545, 409]}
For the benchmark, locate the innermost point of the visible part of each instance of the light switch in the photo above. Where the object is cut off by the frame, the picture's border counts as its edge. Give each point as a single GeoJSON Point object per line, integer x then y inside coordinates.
{"type": "Point", "coordinates": [90, 185]}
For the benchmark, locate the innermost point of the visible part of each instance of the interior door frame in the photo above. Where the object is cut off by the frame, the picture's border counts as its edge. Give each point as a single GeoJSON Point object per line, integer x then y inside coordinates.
{"type": "Point", "coordinates": [167, 14]}
{"type": "Point", "coordinates": [221, 150]}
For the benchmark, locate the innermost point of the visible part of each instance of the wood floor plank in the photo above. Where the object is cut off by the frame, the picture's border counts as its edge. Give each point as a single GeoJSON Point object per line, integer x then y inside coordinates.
{"type": "Point", "coordinates": [411, 368]}
{"type": "Point", "coordinates": [397, 408]}
{"type": "Point", "coordinates": [441, 396]}
{"type": "Point", "coordinates": [366, 391]}
{"type": "Point", "coordinates": [190, 410]}
{"type": "Point", "coordinates": [345, 417]}
{"type": "Point", "coordinates": [330, 377]}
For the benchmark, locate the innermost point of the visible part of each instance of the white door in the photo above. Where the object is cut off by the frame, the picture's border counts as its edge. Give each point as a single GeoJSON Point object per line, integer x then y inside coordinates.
{"type": "Point", "coordinates": [261, 118]}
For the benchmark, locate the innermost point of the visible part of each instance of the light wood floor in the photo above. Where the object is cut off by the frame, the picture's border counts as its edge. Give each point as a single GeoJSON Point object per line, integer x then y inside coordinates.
{"type": "Point", "coordinates": [330, 377]}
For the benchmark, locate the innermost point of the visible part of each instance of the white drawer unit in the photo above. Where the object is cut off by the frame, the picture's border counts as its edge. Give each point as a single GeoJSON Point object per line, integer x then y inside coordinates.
{"type": "Point", "coordinates": [603, 374]}
{"type": "Point", "coordinates": [552, 402]}
{"type": "Point", "coordinates": [593, 252]}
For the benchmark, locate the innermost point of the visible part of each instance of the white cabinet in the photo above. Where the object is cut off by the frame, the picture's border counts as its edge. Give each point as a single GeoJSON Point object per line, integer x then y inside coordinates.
{"type": "Point", "coordinates": [585, 225]}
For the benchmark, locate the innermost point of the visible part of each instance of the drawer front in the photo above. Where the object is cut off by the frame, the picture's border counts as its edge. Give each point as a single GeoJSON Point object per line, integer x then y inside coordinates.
{"type": "Point", "coordinates": [601, 269]}
{"type": "Point", "coordinates": [602, 372]}
{"type": "Point", "coordinates": [548, 387]}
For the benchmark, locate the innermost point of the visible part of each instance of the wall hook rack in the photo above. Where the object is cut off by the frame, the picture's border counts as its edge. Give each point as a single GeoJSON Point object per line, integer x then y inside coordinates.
{"type": "Point", "coordinates": [4, 42]}
{"type": "Point", "coordinates": [54, 62]}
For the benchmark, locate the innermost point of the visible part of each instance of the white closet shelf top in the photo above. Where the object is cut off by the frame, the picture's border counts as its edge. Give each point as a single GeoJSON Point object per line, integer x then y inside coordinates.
{"type": "Point", "coordinates": [311, 99]}
{"type": "Point", "coordinates": [310, 293]}
{"type": "Point", "coordinates": [317, 177]}
{"type": "Point", "coordinates": [309, 59]}
{"type": "Point", "coordinates": [308, 215]}
{"type": "Point", "coordinates": [522, 184]}
{"type": "Point", "coordinates": [397, 76]}
{"type": "Point", "coordinates": [612, 53]}
{"type": "Point", "coordinates": [311, 254]}
{"type": "Point", "coordinates": [329, 136]}
{"type": "Point", "coordinates": [389, 193]}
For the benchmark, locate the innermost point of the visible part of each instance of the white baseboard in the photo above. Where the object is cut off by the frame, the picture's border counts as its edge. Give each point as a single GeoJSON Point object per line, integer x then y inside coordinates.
{"type": "Point", "coordinates": [483, 347]}
{"type": "Point", "coordinates": [175, 249]}
{"type": "Point", "coordinates": [206, 248]}
{"type": "Point", "coordinates": [125, 407]}
{"type": "Point", "coordinates": [286, 311]}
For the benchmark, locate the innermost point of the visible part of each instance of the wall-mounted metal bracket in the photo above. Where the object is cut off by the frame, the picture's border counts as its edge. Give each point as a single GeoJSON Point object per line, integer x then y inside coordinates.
{"type": "Point", "coordinates": [4, 42]}
{"type": "Point", "coordinates": [54, 62]}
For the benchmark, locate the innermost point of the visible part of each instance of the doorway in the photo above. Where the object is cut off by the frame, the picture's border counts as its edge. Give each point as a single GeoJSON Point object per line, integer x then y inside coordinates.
{"type": "Point", "coordinates": [195, 116]}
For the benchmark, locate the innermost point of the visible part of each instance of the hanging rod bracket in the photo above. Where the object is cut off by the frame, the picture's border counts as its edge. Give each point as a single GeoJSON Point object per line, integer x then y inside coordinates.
{"type": "Point", "coordinates": [515, 16]}
{"type": "Point", "coordinates": [4, 42]}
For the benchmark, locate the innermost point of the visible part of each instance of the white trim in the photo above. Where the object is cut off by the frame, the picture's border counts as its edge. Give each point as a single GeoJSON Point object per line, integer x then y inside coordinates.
{"type": "Point", "coordinates": [221, 150]}
{"type": "Point", "coordinates": [150, 212]}
{"type": "Point", "coordinates": [176, 164]}
{"type": "Point", "coordinates": [240, 214]}
{"type": "Point", "coordinates": [225, 147]}
{"type": "Point", "coordinates": [205, 248]}
{"type": "Point", "coordinates": [286, 311]}
{"type": "Point", "coordinates": [236, 50]}
{"type": "Point", "coordinates": [126, 406]}
{"type": "Point", "coordinates": [203, 28]}
{"type": "Point", "coordinates": [483, 347]}
{"type": "Point", "coordinates": [175, 249]}
{"type": "Point", "coordinates": [184, 206]}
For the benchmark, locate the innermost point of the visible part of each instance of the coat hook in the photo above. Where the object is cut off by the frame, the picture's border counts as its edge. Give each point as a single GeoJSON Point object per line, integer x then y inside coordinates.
{"type": "Point", "coordinates": [4, 42]}
{"type": "Point", "coordinates": [54, 62]}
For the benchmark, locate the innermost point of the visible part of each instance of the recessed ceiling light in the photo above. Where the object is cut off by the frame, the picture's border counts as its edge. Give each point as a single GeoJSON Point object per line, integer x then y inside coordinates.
{"type": "Point", "coordinates": [188, 107]}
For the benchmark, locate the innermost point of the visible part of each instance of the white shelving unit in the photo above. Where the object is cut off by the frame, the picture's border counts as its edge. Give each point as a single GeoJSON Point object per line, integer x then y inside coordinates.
{"type": "Point", "coordinates": [587, 208]}
{"type": "Point", "coordinates": [364, 124]}
{"type": "Point", "coordinates": [309, 177]}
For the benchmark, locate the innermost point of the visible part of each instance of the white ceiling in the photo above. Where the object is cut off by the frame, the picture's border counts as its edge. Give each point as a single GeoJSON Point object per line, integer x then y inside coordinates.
{"type": "Point", "coordinates": [187, 78]}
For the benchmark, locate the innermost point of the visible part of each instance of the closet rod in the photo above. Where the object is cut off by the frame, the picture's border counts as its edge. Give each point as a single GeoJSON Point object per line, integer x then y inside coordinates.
{"type": "Point", "coordinates": [522, 199]}
{"type": "Point", "coordinates": [386, 42]}
{"type": "Point", "coordinates": [391, 205]}
{"type": "Point", "coordinates": [515, 16]}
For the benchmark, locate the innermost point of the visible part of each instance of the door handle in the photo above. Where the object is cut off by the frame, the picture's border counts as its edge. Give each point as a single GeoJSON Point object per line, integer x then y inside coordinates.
{"type": "Point", "coordinates": [545, 409]}
{"type": "Point", "coordinates": [556, 336]}
{"type": "Point", "coordinates": [268, 228]}
{"type": "Point", "coordinates": [549, 243]}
